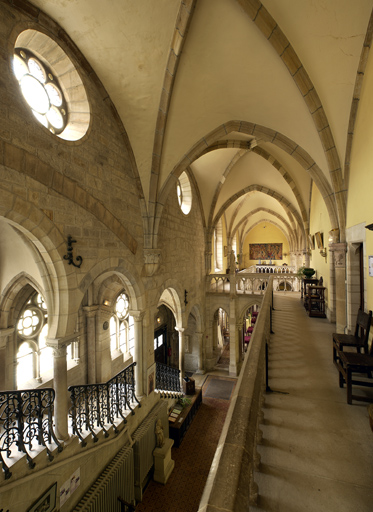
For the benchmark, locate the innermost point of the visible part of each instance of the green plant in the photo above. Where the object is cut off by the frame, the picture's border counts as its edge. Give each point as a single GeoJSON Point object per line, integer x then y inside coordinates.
{"type": "Point", "coordinates": [300, 272]}
{"type": "Point", "coordinates": [184, 401]}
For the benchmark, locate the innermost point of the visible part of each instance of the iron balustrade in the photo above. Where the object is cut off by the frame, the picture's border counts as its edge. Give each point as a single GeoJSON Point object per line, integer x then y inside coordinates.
{"type": "Point", "coordinates": [26, 416]}
{"type": "Point", "coordinates": [99, 405]}
{"type": "Point", "coordinates": [167, 380]}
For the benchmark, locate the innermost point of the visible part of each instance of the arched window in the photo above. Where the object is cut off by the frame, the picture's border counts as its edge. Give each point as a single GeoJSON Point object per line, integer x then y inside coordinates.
{"type": "Point", "coordinates": [184, 193]}
{"type": "Point", "coordinates": [33, 356]}
{"type": "Point", "coordinates": [122, 329]}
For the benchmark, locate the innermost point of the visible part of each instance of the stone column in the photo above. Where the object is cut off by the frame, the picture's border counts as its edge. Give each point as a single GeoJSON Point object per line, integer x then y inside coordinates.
{"type": "Point", "coordinates": [233, 337]}
{"type": "Point", "coordinates": [91, 317]}
{"type": "Point", "coordinates": [338, 271]}
{"type": "Point", "coordinates": [6, 364]}
{"type": "Point", "coordinates": [201, 359]}
{"type": "Point", "coordinates": [181, 353]}
{"type": "Point", "coordinates": [60, 386]}
{"type": "Point", "coordinates": [103, 352]}
{"type": "Point", "coordinates": [138, 317]}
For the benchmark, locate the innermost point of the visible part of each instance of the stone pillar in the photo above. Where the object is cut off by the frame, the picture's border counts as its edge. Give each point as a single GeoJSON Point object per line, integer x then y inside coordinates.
{"type": "Point", "coordinates": [201, 359]}
{"type": "Point", "coordinates": [7, 380]}
{"type": "Point", "coordinates": [338, 278]}
{"type": "Point", "coordinates": [233, 337]}
{"type": "Point", "coordinates": [103, 353]}
{"type": "Point", "coordinates": [138, 317]}
{"type": "Point", "coordinates": [181, 353]}
{"type": "Point", "coordinates": [60, 386]}
{"type": "Point", "coordinates": [91, 317]}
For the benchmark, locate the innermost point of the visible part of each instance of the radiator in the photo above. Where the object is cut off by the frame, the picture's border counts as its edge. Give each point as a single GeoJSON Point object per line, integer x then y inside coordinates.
{"type": "Point", "coordinates": [144, 442]}
{"type": "Point", "coordinates": [116, 480]}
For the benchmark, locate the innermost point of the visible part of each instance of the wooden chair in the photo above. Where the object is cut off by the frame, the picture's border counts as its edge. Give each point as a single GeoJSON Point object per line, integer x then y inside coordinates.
{"type": "Point", "coordinates": [355, 369]}
{"type": "Point", "coordinates": [358, 340]}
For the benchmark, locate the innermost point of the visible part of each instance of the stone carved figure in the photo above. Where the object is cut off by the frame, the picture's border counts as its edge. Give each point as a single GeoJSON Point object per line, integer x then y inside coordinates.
{"type": "Point", "coordinates": [159, 434]}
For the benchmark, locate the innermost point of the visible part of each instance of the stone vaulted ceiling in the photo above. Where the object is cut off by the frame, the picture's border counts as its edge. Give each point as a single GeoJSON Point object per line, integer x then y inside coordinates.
{"type": "Point", "coordinates": [254, 99]}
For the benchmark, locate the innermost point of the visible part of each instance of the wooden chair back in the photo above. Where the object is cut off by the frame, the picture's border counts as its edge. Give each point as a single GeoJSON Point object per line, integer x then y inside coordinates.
{"type": "Point", "coordinates": [362, 328]}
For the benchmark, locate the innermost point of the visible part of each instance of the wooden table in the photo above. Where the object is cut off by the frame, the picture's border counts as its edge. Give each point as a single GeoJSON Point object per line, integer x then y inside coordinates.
{"type": "Point", "coordinates": [179, 428]}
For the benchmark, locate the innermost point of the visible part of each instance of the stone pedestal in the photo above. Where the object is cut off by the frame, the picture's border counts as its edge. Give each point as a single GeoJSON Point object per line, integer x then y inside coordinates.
{"type": "Point", "coordinates": [163, 464]}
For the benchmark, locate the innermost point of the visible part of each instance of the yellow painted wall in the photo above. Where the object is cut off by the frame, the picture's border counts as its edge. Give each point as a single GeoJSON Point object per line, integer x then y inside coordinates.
{"type": "Point", "coordinates": [319, 222]}
{"type": "Point", "coordinates": [260, 235]}
{"type": "Point", "coordinates": [360, 186]}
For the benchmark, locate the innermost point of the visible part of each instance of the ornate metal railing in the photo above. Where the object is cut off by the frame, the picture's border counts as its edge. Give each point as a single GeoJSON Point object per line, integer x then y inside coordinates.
{"type": "Point", "coordinates": [26, 416]}
{"type": "Point", "coordinates": [167, 380]}
{"type": "Point", "coordinates": [96, 406]}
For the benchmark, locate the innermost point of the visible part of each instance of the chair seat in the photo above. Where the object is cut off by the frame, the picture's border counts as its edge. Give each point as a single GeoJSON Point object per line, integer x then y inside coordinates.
{"type": "Point", "coordinates": [347, 340]}
{"type": "Point", "coordinates": [357, 362]}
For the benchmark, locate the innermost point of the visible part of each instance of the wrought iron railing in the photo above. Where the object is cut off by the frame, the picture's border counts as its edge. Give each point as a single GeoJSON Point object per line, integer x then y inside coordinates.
{"type": "Point", "coordinates": [26, 416]}
{"type": "Point", "coordinates": [167, 380]}
{"type": "Point", "coordinates": [96, 406]}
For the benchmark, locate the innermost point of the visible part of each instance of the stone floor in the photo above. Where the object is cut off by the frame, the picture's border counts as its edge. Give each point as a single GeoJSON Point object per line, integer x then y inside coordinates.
{"type": "Point", "coordinates": [317, 451]}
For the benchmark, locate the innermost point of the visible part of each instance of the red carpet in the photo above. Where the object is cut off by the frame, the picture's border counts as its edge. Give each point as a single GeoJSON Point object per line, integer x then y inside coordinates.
{"type": "Point", "coordinates": [193, 459]}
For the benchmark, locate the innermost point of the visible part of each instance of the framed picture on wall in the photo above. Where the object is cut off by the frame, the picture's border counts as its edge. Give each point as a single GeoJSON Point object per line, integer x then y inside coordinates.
{"type": "Point", "coordinates": [151, 379]}
{"type": "Point", "coordinates": [319, 240]}
{"type": "Point", "coordinates": [47, 502]}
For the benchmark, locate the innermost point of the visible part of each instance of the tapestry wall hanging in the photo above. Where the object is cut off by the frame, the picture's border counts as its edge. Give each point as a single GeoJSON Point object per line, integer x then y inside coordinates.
{"type": "Point", "coordinates": [266, 251]}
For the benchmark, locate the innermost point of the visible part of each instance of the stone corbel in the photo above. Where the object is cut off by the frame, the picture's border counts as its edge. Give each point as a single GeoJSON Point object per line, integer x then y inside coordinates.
{"type": "Point", "coordinates": [152, 261]}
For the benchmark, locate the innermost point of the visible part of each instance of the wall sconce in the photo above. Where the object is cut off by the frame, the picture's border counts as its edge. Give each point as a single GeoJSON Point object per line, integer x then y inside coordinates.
{"type": "Point", "coordinates": [158, 319]}
{"type": "Point", "coordinates": [323, 253]}
{"type": "Point", "coordinates": [106, 303]}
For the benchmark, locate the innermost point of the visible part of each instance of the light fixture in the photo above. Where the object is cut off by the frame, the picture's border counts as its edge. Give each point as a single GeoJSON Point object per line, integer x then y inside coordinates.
{"type": "Point", "coordinates": [106, 302]}
{"type": "Point", "coordinates": [158, 319]}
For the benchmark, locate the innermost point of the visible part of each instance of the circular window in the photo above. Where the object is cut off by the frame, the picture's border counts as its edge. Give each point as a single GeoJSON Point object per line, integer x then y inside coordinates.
{"type": "Point", "coordinates": [41, 90]}
{"type": "Point", "coordinates": [51, 85]}
{"type": "Point", "coordinates": [30, 323]}
{"type": "Point", "coordinates": [184, 193]}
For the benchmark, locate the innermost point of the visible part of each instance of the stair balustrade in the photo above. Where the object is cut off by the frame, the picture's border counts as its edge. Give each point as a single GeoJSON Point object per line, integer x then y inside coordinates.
{"type": "Point", "coordinates": [96, 406]}
{"type": "Point", "coordinates": [26, 417]}
{"type": "Point", "coordinates": [167, 380]}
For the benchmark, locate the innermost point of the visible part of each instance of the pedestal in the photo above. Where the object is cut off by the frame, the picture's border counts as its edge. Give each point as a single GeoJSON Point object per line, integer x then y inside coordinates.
{"type": "Point", "coordinates": [163, 464]}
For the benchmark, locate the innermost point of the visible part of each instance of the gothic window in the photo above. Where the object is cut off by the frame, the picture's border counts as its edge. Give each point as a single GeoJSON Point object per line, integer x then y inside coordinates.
{"type": "Point", "coordinates": [184, 193]}
{"type": "Point", "coordinates": [33, 356]}
{"type": "Point", "coordinates": [122, 331]}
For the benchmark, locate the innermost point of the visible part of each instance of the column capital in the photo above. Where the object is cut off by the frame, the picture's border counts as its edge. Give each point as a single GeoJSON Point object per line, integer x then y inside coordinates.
{"type": "Point", "coordinates": [4, 333]}
{"type": "Point", "coordinates": [180, 329]}
{"type": "Point", "coordinates": [59, 351]}
{"type": "Point", "coordinates": [339, 249]}
{"type": "Point", "coordinates": [138, 316]}
{"type": "Point", "coordinates": [91, 311]}
{"type": "Point", "coordinates": [57, 343]}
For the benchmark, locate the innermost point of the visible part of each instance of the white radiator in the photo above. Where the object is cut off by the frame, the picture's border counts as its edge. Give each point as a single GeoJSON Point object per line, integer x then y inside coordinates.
{"type": "Point", "coordinates": [144, 442]}
{"type": "Point", "coordinates": [116, 480]}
